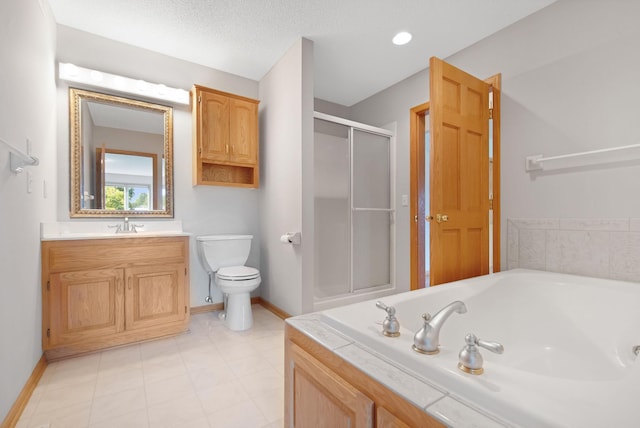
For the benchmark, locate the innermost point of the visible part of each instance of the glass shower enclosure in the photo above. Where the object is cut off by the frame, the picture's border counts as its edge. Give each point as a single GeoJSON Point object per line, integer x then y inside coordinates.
{"type": "Point", "coordinates": [353, 210]}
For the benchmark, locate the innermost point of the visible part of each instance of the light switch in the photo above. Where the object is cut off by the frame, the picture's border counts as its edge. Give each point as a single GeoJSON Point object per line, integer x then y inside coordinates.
{"type": "Point", "coordinates": [405, 200]}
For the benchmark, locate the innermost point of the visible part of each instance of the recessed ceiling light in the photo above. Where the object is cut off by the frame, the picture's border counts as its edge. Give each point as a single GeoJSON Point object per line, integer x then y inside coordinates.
{"type": "Point", "coordinates": [402, 38]}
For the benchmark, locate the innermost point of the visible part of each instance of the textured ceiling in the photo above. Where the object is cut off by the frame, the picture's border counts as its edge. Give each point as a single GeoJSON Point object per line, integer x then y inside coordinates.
{"type": "Point", "coordinates": [353, 54]}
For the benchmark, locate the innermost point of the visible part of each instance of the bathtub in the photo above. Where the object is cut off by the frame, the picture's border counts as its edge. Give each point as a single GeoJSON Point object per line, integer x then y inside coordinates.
{"type": "Point", "coordinates": [568, 342]}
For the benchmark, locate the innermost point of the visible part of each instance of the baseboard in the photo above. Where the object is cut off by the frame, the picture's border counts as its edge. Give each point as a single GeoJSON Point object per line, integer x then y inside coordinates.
{"type": "Point", "coordinates": [206, 308]}
{"type": "Point", "coordinates": [16, 410]}
{"type": "Point", "coordinates": [273, 308]}
{"type": "Point", "coordinates": [254, 301]}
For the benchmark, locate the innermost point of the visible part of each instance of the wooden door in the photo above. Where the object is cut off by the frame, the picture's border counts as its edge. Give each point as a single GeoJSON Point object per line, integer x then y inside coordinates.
{"type": "Point", "coordinates": [459, 194]}
{"type": "Point", "coordinates": [243, 131]}
{"type": "Point", "coordinates": [85, 305]}
{"type": "Point", "coordinates": [213, 126]}
{"type": "Point", "coordinates": [155, 295]}
{"type": "Point", "coordinates": [322, 399]}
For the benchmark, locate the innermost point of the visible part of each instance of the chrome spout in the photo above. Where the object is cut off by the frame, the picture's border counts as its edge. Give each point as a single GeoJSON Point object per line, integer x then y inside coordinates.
{"type": "Point", "coordinates": [427, 339]}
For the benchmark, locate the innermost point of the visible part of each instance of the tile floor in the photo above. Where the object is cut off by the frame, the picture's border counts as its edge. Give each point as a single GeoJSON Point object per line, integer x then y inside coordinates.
{"type": "Point", "coordinates": [210, 377]}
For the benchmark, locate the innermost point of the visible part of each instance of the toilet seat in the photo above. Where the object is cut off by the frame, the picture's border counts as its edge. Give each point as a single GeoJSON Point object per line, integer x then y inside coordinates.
{"type": "Point", "coordinates": [237, 273]}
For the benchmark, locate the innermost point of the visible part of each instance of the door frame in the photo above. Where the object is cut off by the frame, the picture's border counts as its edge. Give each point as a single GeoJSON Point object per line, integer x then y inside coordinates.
{"type": "Point", "coordinates": [417, 184]}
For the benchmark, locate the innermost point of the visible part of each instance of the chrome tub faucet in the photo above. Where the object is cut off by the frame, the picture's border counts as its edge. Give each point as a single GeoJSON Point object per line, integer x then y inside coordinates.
{"type": "Point", "coordinates": [427, 339]}
{"type": "Point", "coordinates": [390, 325]}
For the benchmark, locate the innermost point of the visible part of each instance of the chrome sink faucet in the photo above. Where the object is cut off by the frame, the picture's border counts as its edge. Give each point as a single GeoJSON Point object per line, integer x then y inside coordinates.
{"type": "Point", "coordinates": [126, 227]}
{"type": "Point", "coordinates": [427, 339]}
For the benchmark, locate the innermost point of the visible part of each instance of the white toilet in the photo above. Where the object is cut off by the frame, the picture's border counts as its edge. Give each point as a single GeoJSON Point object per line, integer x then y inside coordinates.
{"type": "Point", "coordinates": [225, 255]}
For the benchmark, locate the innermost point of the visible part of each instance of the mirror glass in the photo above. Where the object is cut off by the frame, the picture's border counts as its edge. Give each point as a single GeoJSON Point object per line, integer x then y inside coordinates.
{"type": "Point", "coordinates": [121, 156]}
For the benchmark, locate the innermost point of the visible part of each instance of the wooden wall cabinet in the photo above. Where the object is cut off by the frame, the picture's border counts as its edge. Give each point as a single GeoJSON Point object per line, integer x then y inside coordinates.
{"type": "Point", "coordinates": [225, 132]}
{"type": "Point", "coordinates": [100, 293]}
{"type": "Point", "coordinates": [323, 390]}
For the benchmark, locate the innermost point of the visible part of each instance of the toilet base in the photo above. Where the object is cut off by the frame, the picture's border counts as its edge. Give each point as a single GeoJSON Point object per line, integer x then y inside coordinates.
{"type": "Point", "coordinates": [237, 314]}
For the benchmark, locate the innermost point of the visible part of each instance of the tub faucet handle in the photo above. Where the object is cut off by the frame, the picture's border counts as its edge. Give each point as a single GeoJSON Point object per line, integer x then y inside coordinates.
{"type": "Point", "coordinates": [470, 360]}
{"type": "Point", "coordinates": [390, 325]}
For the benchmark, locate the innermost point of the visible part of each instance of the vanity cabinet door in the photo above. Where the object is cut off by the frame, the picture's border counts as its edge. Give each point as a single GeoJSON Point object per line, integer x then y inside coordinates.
{"type": "Point", "coordinates": [84, 305]}
{"type": "Point", "coordinates": [155, 295]}
{"type": "Point", "coordinates": [321, 398]}
{"type": "Point", "coordinates": [243, 131]}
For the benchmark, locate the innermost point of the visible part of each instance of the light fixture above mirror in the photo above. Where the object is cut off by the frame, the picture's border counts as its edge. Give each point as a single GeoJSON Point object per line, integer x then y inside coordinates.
{"type": "Point", "coordinates": [113, 82]}
{"type": "Point", "coordinates": [121, 156]}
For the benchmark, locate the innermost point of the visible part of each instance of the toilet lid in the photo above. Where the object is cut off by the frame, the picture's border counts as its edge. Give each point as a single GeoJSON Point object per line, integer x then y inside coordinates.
{"type": "Point", "coordinates": [238, 273]}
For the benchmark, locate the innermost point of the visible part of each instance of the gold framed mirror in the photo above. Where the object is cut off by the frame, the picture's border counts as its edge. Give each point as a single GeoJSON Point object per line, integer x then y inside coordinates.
{"type": "Point", "coordinates": [121, 156]}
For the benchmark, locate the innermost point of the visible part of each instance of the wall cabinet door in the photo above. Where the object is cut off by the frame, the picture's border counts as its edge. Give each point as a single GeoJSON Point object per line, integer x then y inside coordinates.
{"type": "Point", "coordinates": [322, 399]}
{"type": "Point", "coordinates": [214, 126]}
{"type": "Point", "coordinates": [155, 295]}
{"type": "Point", "coordinates": [85, 304]}
{"type": "Point", "coordinates": [243, 132]}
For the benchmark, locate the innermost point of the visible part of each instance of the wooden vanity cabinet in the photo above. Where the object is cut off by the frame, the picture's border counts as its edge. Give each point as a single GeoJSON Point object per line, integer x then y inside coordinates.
{"type": "Point", "coordinates": [225, 132]}
{"type": "Point", "coordinates": [323, 390]}
{"type": "Point", "coordinates": [100, 293]}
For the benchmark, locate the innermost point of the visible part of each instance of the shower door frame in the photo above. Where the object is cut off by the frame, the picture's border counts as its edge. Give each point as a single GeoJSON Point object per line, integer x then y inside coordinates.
{"type": "Point", "coordinates": [352, 125]}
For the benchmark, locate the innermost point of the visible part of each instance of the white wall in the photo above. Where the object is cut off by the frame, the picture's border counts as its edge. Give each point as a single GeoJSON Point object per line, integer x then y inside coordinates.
{"type": "Point", "coordinates": [286, 125]}
{"type": "Point", "coordinates": [569, 84]}
{"type": "Point", "coordinates": [27, 111]}
{"type": "Point", "coordinates": [202, 209]}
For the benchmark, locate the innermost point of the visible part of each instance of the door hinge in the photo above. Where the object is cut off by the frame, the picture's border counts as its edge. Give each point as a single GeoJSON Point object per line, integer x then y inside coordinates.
{"type": "Point", "coordinates": [185, 309]}
{"type": "Point", "coordinates": [49, 333]}
{"type": "Point", "coordinates": [48, 285]}
{"type": "Point", "coordinates": [185, 271]}
{"type": "Point", "coordinates": [199, 98]}
{"type": "Point", "coordinates": [490, 113]}
{"type": "Point", "coordinates": [490, 204]}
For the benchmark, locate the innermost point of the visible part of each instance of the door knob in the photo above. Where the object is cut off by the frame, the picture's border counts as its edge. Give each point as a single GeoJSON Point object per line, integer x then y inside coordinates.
{"type": "Point", "coordinates": [429, 218]}
{"type": "Point", "coordinates": [441, 218]}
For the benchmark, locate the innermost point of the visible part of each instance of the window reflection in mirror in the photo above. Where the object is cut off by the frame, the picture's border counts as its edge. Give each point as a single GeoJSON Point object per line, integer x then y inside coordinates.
{"type": "Point", "coordinates": [133, 174]}
{"type": "Point", "coordinates": [121, 156]}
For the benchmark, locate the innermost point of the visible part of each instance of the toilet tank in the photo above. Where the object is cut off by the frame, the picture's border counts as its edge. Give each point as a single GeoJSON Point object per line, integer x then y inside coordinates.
{"type": "Point", "coordinates": [217, 251]}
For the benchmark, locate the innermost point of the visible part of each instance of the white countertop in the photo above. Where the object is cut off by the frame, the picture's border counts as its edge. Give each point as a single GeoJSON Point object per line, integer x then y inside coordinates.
{"type": "Point", "coordinates": [70, 230]}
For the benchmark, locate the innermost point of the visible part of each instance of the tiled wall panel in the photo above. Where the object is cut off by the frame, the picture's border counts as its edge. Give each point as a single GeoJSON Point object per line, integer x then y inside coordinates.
{"type": "Point", "coordinates": [597, 247]}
